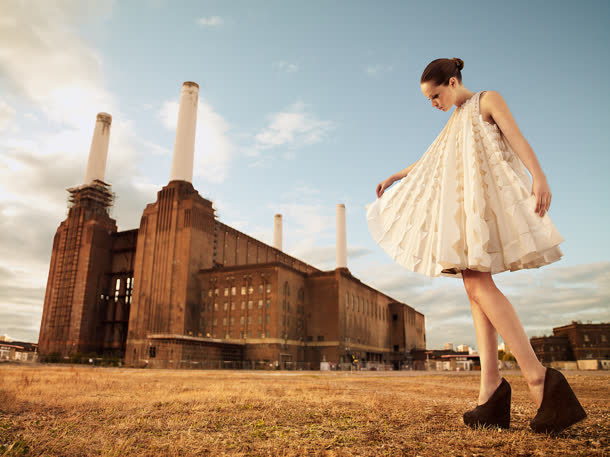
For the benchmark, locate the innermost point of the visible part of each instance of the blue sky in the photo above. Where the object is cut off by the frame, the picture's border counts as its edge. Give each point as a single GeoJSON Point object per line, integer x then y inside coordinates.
{"type": "Point", "coordinates": [302, 105]}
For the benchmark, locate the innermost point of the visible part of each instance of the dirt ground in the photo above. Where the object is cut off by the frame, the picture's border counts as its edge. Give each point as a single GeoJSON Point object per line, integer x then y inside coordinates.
{"type": "Point", "coordinates": [72, 410]}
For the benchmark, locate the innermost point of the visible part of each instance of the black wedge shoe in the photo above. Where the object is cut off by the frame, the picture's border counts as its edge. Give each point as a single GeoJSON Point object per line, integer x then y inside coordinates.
{"type": "Point", "coordinates": [560, 408]}
{"type": "Point", "coordinates": [495, 412]}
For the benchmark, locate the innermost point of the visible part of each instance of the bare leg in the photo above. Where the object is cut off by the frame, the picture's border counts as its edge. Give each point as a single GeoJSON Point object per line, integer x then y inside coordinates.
{"type": "Point", "coordinates": [487, 342]}
{"type": "Point", "coordinates": [482, 290]}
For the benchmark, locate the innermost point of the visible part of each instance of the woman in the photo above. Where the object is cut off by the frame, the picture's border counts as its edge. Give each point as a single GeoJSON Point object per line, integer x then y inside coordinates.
{"type": "Point", "coordinates": [467, 209]}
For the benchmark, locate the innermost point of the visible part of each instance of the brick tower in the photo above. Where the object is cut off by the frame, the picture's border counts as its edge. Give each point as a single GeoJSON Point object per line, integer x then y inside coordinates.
{"type": "Point", "coordinates": [80, 256]}
{"type": "Point", "coordinates": [175, 241]}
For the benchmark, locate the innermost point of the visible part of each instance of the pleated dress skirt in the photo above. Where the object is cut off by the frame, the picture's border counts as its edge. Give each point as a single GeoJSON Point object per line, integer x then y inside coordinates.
{"type": "Point", "coordinates": [467, 203]}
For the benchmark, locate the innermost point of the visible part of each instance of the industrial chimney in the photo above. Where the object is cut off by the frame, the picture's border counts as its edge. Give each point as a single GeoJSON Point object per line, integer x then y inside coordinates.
{"type": "Point", "coordinates": [96, 165]}
{"type": "Point", "coordinates": [277, 232]}
{"type": "Point", "coordinates": [341, 238]}
{"type": "Point", "coordinates": [184, 147]}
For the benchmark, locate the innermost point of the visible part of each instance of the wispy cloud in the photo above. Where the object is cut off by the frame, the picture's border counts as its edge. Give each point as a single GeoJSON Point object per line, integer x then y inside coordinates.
{"type": "Point", "coordinates": [7, 114]}
{"type": "Point", "coordinates": [285, 66]}
{"type": "Point", "coordinates": [211, 21]}
{"type": "Point", "coordinates": [294, 127]}
{"type": "Point", "coordinates": [376, 70]}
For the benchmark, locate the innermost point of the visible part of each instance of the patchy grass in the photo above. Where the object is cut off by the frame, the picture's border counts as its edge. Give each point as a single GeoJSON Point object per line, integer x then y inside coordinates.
{"type": "Point", "coordinates": [80, 410]}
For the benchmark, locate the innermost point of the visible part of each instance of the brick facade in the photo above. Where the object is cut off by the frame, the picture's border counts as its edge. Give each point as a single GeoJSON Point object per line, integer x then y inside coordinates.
{"type": "Point", "coordinates": [186, 290]}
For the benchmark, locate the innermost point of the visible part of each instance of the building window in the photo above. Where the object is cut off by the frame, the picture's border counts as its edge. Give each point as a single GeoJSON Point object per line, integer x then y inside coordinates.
{"type": "Point", "coordinates": [226, 291]}
{"type": "Point", "coordinates": [233, 290]}
{"type": "Point", "coordinates": [216, 306]}
{"type": "Point", "coordinates": [267, 318]}
{"type": "Point", "coordinates": [249, 319]}
{"type": "Point", "coordinates": [241, 320]}
{"type": "Point", "coordinates": [232, 305]}
{"type": "Point", "coordinates": [117, 287]}
{"type": "Point", "coordinates": [586, 337]}
{"type": "Point", "coordinates": [152, 352]}
{"type": "Point", "coordinates": [320, 337]}
{"type": "Point", "coordinates": [210, 292]}
{"type": "Point", "coordinates": [243, 305]}
{"type": "Point", "coordinates": [224, 321]}
{"type": "Point", "coordinates": [216, 291]}
{"type": "Point", "coordinates": [260, 319]}
{"type": "Point", "coordinates": [251, 289]}
{"type": "Point", "coordinates": [260, 288]}
{"type": "Point", "coordinates": [260, 304]}
{"type": "Point", "coordinates": [268, 303]}
{"type": "Point", "coordinates": [225, 306]}
{"type": "Point", "coordinates": [249, 304]}
{"type": "Point", "coordinates": [268, 287]}
{"type": "Point", "coordinates": [243, 290]}
{"type": "Point", "coordinates": [231, 320]}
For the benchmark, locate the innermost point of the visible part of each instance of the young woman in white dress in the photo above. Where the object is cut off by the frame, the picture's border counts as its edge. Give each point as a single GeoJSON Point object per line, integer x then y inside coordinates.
{"type": "Point", "coordinates": [558, 407]}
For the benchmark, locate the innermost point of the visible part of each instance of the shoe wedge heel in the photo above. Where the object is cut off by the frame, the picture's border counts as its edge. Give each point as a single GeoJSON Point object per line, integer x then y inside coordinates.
{"type": "Point", "coordinates": [560, 408]}
{"type": "Point", "coordinates": [495, 412]}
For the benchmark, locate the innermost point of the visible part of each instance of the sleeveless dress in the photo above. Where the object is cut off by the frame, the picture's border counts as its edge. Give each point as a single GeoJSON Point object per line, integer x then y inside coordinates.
{"type": "Point", "coordinates": [467, 203]}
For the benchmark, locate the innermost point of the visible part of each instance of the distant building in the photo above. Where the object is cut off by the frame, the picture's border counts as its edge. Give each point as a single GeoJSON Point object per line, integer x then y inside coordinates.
{"type": "Point", "coordinates": [462, 348]}
{"type": "Point", "coordinates": [444, 360]}
{"type": "Point", "coordinates": [448, 346]}
{"type": "Point", "coordinates": [18, 351]}
{"type": "Point", "coordinates": [184, 290]}
{"type": "Point", "coordinates": [575, 341]}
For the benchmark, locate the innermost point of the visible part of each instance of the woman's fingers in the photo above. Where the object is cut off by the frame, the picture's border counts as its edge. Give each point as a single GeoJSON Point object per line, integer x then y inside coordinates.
{"type": "Point", "coordinates": [543, 203]}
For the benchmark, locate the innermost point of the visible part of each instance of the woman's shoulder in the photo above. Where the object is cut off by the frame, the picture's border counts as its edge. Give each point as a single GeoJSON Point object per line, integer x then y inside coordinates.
{"type": "Point", "coordinates": [491, 101]}
{"type": "Point", "coordinates": [491, 98]}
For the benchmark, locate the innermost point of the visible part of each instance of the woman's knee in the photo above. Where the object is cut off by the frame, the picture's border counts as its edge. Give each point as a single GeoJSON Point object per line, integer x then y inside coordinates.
{"type": "Point", "coordinates": [476, 283]}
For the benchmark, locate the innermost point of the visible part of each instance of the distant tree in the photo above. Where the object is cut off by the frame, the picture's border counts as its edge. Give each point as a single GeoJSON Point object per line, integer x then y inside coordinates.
{"type": "Point", "coordinates": [508, 356]}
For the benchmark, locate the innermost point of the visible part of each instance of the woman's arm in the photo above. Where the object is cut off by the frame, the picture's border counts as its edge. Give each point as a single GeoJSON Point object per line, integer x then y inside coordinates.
{"type": "Point", "coordinates": [401, 174]}
{"type": "Point", "coordinates": [497, 107]}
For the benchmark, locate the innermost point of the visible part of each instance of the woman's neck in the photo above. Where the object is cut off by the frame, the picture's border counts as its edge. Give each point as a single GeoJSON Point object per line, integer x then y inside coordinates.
{"type": "Point", "coordinates": [462, 96]}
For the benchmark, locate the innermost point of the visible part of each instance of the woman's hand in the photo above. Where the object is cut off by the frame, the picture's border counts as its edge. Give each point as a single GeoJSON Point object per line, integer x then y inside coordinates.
{"type": "Point", "coordinates": [542, 191]}
{"type": "Point", "coordinates": [383, 185]}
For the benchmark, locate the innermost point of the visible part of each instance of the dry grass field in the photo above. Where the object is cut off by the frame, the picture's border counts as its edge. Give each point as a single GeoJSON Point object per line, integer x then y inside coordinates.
{"type": "Point", "coordinates": [56, 410]}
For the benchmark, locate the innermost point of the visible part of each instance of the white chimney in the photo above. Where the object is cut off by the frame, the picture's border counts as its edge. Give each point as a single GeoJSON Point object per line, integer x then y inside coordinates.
{"type": "Point", "coordinates": [184, 147]}
{"type": "Point", "coordinates": [96, 165]}
{"type": "Point", "coordinates": [341, 237]}
{"type": "Point", "coordinates": [277, 232]}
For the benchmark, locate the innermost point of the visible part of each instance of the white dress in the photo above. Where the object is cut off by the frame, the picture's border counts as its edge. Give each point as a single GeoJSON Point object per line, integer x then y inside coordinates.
{"type": "Point", "coordinates": [467, 203]}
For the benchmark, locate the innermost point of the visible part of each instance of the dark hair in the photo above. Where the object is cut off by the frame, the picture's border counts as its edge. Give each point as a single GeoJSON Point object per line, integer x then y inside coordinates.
{"type": "Point", "coordinates": [440, 71]}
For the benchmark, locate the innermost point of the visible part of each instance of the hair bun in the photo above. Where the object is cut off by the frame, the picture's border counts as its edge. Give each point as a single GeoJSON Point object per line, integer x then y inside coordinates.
{"type": "Point", "coordinates": [458, 62]}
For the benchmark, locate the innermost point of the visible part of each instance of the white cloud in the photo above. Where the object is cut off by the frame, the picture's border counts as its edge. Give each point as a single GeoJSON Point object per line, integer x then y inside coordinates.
{"type": "Point", "coordinates": [44, 61]}
{"type": "Point", "coordinates": [7, 114]}
{"type": "Point", "coordinates": [213, 147]}
{"type": "Point", "coordinates": [212, 21]}
{"type": "Point", "coordinates": [543, 298]}
{"type": "Point", "coordinates": [293, 127]}
{"type": "Point", "coordinates": [285, 66]}
{"type": "Point", "coordinates": [376, 70]}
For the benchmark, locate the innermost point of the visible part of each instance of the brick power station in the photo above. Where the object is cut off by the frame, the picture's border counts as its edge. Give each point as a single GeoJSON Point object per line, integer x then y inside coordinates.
{"type": "Point", "coordinates": [186, 290]}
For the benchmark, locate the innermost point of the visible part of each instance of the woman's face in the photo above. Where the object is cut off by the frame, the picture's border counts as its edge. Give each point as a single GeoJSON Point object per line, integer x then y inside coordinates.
{"type": "Point", "coordinates": [441, 97]}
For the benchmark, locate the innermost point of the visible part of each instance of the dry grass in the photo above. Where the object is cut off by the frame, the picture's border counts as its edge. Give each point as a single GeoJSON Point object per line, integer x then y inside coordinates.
{"type": "Point", "coordinates": [79, 410]}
